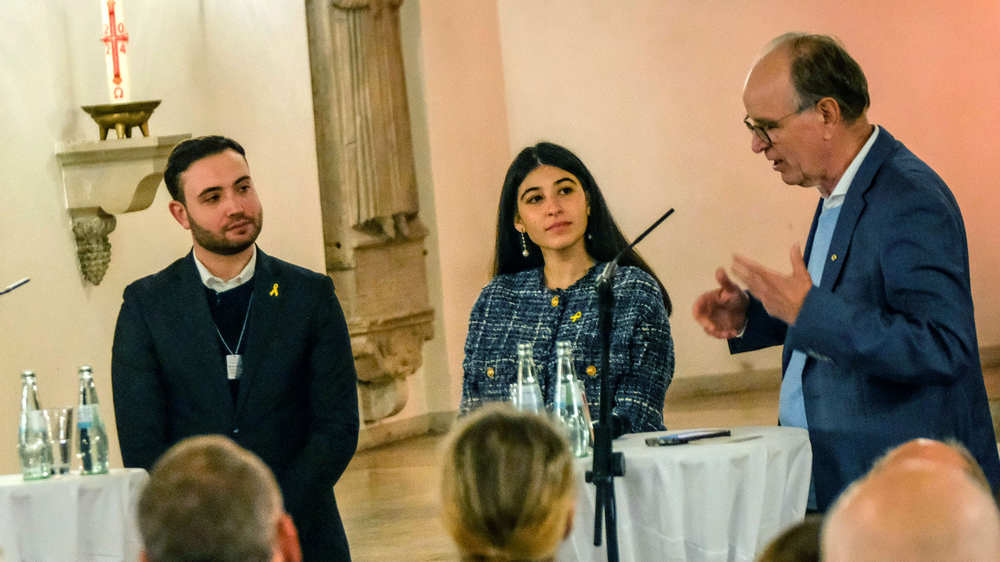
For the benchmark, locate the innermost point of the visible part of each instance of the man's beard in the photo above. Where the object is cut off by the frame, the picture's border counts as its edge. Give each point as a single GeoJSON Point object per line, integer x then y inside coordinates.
{"type": "Point", "coordinates": [218, 244]}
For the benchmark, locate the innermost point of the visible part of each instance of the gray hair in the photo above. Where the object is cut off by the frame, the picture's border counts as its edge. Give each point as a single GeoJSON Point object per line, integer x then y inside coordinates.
{"type": "Point", "coordinates": [822, 68]}
{"type": "Point", "coordinates": [209, 499]}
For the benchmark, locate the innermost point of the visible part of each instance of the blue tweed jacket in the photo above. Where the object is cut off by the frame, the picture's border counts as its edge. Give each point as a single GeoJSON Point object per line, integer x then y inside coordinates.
{"type": "Point", "coordinates": [518, 307]}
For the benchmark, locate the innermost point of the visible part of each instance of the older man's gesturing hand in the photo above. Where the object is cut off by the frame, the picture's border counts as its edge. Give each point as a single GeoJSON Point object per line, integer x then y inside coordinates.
{"type": "Point", "coordinates": [781, 295]}
{"type": "Point", "coordinates": [722, 312]}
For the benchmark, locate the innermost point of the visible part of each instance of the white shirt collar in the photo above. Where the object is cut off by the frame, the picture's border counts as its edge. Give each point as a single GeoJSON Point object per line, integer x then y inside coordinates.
{"type": "Point", "coordinates": [836, 197]}
{"type": "Point", "coordinates": [219, 285]}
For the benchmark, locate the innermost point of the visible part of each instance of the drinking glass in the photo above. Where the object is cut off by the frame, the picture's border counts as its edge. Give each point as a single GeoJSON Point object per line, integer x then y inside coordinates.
{"type": "Point", "coordinates": [60, 422]}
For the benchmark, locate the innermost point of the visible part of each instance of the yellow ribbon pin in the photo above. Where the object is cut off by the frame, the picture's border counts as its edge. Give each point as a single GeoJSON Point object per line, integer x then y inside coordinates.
{"type": "Point", "coordinates": [274, 290]}
{"type": "Point", "coordinates": [576, 316]}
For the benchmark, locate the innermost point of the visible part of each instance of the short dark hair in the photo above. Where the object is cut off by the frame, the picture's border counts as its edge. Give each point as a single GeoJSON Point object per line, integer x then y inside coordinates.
{"type": "Point", "coordinates": [207, 498]}
{"type": "Point", "coordinates": [822, 68]}
{"type": "Point", "coordinates": [190, 151]}
{"type": "Point", "coordinates": [603, 239]}
{"type": "Point", "coordinates": [798, 543]}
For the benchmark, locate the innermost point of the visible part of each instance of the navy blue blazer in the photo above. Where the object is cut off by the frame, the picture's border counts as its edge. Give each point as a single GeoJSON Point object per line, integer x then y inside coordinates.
{"type": "Point", "coordinates": [889, 333]}
{"type": "Point", "coordinates": [297, 403]}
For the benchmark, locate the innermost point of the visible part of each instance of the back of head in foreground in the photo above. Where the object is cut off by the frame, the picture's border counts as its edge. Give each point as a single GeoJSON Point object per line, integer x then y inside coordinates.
{"type": "Point", "coordinates": [508, 488]}
{"type": "Point", "coordinates": [209, 499]}
{"type": "Point", "coordinates": [950, 453]}
{"type": "Point", "coordinates": [798, 543]}
{"type": "Point", "coordinates": [914, 510]}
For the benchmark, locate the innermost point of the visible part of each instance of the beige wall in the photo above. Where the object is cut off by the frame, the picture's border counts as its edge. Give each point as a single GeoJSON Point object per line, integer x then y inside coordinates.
{"type": "Point", "coordinates": [241, 72]}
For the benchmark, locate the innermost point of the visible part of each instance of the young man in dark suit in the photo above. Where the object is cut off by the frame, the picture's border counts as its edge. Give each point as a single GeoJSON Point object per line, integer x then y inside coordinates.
{"type": "Point", "coordinates": [231, 341]}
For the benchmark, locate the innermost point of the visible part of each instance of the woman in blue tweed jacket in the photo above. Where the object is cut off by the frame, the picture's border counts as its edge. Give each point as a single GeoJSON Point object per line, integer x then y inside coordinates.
{"type": "Point", "coordinates": [554, 235]}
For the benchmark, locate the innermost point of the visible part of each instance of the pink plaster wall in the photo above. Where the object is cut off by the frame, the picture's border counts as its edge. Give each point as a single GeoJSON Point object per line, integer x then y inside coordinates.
{"type": "Point", "coordinates": [647, 92]}
{"type": "Point", "coordinates": [462, 135]}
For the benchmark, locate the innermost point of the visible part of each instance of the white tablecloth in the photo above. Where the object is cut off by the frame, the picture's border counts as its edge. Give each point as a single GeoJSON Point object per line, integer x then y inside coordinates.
{"type": "Point", "coordinates": [71, 518]}
{"type": "Point", "coordinates": [716, 499]}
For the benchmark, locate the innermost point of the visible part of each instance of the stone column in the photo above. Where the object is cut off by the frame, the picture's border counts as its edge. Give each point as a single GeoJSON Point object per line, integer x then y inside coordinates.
{"type": "Point", "coordinates": [372, 233]}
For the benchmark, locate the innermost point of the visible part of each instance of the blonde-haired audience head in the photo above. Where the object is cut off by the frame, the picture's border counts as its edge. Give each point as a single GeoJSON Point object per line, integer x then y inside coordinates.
{"type": "Point", "coordinates": [508, 489]}
{"type": "Point", "coordinates": [913, 509]}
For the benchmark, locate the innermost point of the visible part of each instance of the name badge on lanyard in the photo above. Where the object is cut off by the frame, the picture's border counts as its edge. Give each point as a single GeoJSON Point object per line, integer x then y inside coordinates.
{"type": "Point", "coordinates": [234, 366]}
{"type": "Point", "coordinates": [234, 361]}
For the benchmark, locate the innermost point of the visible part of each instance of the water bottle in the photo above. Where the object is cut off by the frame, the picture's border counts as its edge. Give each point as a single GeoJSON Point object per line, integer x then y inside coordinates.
{"type": "Point", "coordinates": [569, 406]}
{"type": "Point", "coordinates": [34, 446]}
{"type": "Point", "coordinates": [92, 439]}
{"type": "Point", "coordinates": [527, 394]}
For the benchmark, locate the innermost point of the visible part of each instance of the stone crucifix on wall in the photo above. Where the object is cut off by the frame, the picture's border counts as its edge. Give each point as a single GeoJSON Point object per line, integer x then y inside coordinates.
{"type": "Point", "coordinates": [372, 233]}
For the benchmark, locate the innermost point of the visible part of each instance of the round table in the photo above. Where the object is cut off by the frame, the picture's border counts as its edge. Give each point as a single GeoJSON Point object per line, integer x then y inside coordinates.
{"type": "Point", "coordinates": [71, 517]}
{"type": "Point", "coordinates": [714, 499]}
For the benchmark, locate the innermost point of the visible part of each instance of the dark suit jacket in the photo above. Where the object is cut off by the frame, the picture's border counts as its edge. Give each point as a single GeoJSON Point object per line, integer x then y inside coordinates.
{"type": "Point", "coordinates": [297, 402]}
{"type": "Point", "coordinates": [889, 332]}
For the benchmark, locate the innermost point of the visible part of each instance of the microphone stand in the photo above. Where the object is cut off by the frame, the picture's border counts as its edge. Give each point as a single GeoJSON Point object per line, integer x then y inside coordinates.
{"type": "Point", "coordinates": [608, 464]}
{"type": "Point", "coordinates": [13, 286]}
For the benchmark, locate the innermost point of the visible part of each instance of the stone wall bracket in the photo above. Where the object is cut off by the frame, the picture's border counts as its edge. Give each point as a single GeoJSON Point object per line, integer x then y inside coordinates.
{"type": "Point", "coordinates": [105, 178]}
{"type": "Point", "coordinates": [386, 351]}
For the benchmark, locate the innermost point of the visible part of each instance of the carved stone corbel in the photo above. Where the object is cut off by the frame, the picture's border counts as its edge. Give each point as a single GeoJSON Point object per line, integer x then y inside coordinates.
{"type": "Point", "coordinates": [385, 353]}
{"type": "Point", "coordinates": [107, 178]}
{"type": "Point", "coordinates": [91, 228]}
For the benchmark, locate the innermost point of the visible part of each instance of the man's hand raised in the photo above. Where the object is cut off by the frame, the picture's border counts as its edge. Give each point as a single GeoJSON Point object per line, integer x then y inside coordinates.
{"type": "Point", "coordinates": [781, 295]}
{"type": "Point", "coordinates": [722, 312]}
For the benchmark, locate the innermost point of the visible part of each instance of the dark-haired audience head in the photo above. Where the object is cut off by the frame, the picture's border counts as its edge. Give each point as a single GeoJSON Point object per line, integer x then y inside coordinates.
{"type": "Point", "coordinates": [798, 543]}
{"type": "Point", "coordinates": [209, 499]}
{"type": "Point", "coordinates": [190, 151]}
{"type": "Point", "coordinates": [508, 488]}
{"type": "Point", "coordinates": [602, 238]}
{"type": "Point", "coordinates": [916, 510]}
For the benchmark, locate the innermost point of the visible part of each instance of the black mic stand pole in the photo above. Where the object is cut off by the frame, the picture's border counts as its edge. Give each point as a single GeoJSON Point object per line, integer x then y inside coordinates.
{"type": "Point", "coordinates": [13, 286]}
{"type": "Point", "coordinates": [608, 463]}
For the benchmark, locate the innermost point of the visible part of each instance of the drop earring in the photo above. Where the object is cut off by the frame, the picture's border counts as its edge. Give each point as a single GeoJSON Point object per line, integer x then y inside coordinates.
{"type": "Point", "coordinates": [524, 246]}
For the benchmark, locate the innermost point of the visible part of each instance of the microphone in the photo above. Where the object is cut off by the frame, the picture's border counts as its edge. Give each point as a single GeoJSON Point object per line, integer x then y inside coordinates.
{"type": "Point", "coordinates": [609, 464]}
{"type": "Point", "coordinates": [617, 424]}
{"type": "Point", "coordinates": [612, 267]}
{"type": "Point", "coordinates": [13, 286]}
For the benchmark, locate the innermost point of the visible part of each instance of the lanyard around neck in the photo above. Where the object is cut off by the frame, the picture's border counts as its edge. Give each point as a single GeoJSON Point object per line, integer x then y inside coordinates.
{"type": "Point", "coordinates": [243, 330]}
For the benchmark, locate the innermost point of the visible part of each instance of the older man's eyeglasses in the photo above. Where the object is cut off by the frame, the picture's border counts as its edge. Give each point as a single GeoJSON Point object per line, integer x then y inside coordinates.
{"type": "Point", "coordinates": [761, 130]}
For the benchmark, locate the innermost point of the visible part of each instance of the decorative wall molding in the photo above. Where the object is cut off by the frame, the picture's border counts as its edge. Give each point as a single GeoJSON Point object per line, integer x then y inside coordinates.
{"type": "Point", "coordinates": [434, 423]}
{"type": "Point", "coordinates": [387, 351]}
{"type": "Point", "coordinates": [91, 228]}
{"type": "Point", "coordinates": [106, 178]}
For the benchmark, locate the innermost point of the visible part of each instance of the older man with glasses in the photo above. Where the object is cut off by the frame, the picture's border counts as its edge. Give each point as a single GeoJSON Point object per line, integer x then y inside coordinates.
{"type": "Point", "coordinates": [876, 317]}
